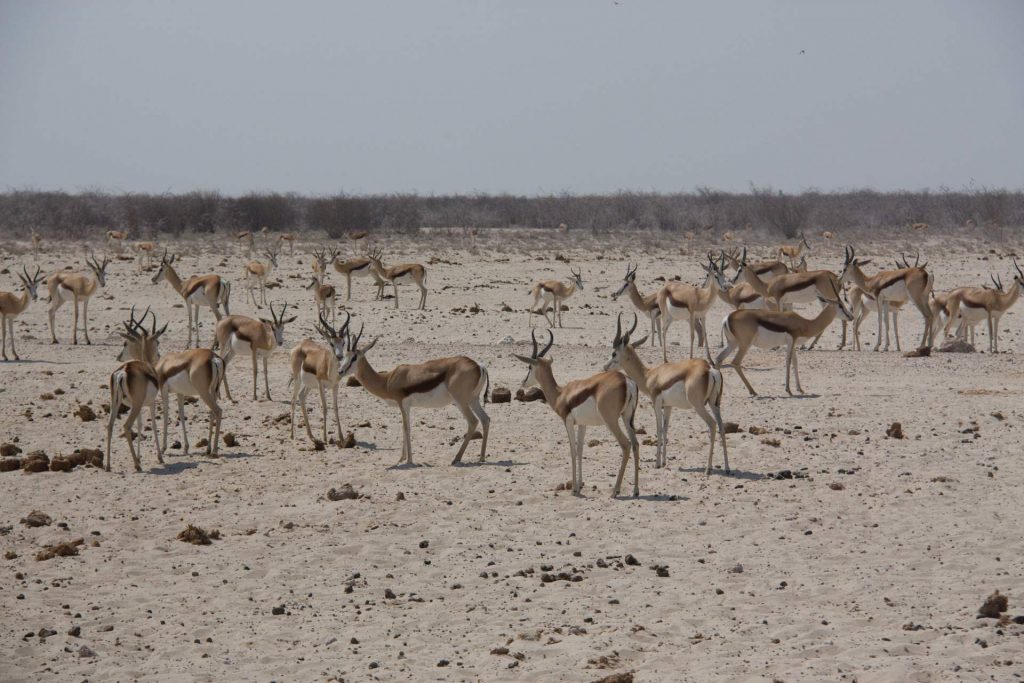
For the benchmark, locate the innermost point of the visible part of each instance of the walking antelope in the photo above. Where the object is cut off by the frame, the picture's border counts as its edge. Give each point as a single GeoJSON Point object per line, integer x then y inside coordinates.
{"type": "Point", "coordinates": [768, 329]}
{"type": "Point", "coordinates": [554, 292]}
{"type": "Point", "coordinates": [76, 288]}
{"type": "Point", "coordinates": [145, 254]}
{"type": "Point", "coordinates": [13, 305]}
{"type": "Point", "coordinates": [792, 251]}
{"type": "Point", "coordinates": [325, 298]}
{"type": "Point", "coordinates": [889, 286]}
{"type": "Point", "coordinates": [971, 305]}
{"type": "Point", "coordinates": [290, 239]}
{"type": "Point", "coordinates": [116, 238]}
{"type": "Point", "coordinates": [135, 384]}
{"type": "Point", "coordinates": [361, 266]}
{"type": "Point", "coordinates": [437, 383]}
{"type": "Point", "coordinates": [646, 304]}
{"type": "Point", "coordinates": [316, 367]}
{"type": "Point", "coordinates": [256, 274]}
{"type": "Point", "coordinates": [693, 384]}
{"type": "Point", "coordinates": [199, 290]}
{"type": "Point", "coordinates": [401, 274]}
{"type": "Point", "coordinates": [605, 398]}
{"type": "Point", "coordinates": [244, 336]}
{"type": "Point", "coordinates": [677, 301]}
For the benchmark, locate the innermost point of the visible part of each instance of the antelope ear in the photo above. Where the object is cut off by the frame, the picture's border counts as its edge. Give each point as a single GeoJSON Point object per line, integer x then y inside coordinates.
{"type": "Point", "coordinates": [864, 262]}
{"type": "Point", "coordinates": [290, 320]}
{"type": "Point", "coordinates": [269, 322]}
{"type": "Point", "coordinates": [525, 359]}
{"type": "Point", "coordinates": [639, 342]}
{"type": "Point", "coordinates": [125, 336]}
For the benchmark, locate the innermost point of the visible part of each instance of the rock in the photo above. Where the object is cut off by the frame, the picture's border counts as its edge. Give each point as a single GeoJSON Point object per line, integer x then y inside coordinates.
{"type": "Point", "coordinates": [660, 571]}
{"type": "Point", "coordinates": [632, 561]}
{"type": "Point", "coordinates": [737, 569]}
{"type": "Point", "coordinates": [349, 441]}
{"type": "Point", "coordinates": [531, 394]}
{"type": "Point", "coordinates": [86, 651]}
{"type": "Point", "coordinates": [344, 492]}
{"type": "Point", "coordinates": [62, 549]}
{"type": "Point", "coordinates": [85, 413]}
{"type": "Point", "coordinates": [230, 440]}
{"type": "Point", "coordinates": [9, 449]}
{"type": "Point", "coordinates": [499, 651]}
{"type": "Point", "coordinates": [836, 486]}
{"type": "Point", "coordinates": [400, 496]}
{"type": "Point", "coordinates": [61, 464]}
{"type": "Point", "coordinates": [46, 632]}
{"type": "Point", "coordinates": [424, 544]}
{"type": "Point", "coordinates": [277, 611]}
{"type": "Point", "coordinates": [75, 631]}
{"type": "Point", "coordinates": [956, 346]}
{"type": "Point", "coordinates": [757, 431]}
{"type": "Point", "coordinates": [993, 606]}
{"type": "Point", "coordinates": [197, 535]}
{"type": "Point", "coordinates": [920, 352]}
{"type": "Point", "coordinates": [389, 594]}
{"type": "Point", "coordinates": [616, 678]}
{"type": "Point", "coordinates": [774, 443]}
{"type": "Point", "coordinates": [731, 428]}
{"type": "Point", "coordinates": [36, 461]}
{"type": "Point", "coordinates": [202, 443]}
{"type": "Point", "coordinates": [10, 555]}
{"type": "Point", "coordinates": [501, 395]}
{"type": "Point", "coordinates": [895, 431]}
{"type": "Point", "coordinates": [10, 464]}
{"type": "Point", "coordinates": [93, 456]}
{"type": "Point", "coordinates": [37, 518]}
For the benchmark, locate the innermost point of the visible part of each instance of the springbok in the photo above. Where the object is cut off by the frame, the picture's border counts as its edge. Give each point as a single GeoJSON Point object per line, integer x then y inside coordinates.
{"type": "Point", "coordinates": [321, 260]}
{"type": "Point", "coordinates": [767, 268]}
{"type": "Point", "coordinates": [325, 298]}
{"type": "Point", "coordinates": [693, 384]}
{"type": "Point", "coordinates": [13, 305]}
{"type": "Point", "coordinates": [359, 267]}
{"type": "Point", "coordinates": [145, 251]}
{"type": "Point", "coordinates": [678, 301]}
{"type": "Point", "coordinates": [256, 274]}
{"type": "Point", "coordinates": [199, 290]}
{"type": "Point", "coordinates": [605, 398]}
{"type": "Point", "coordinates": [116, 239]}
{"type": "Point", "coordinates": [861, 304]}
{"type": "Point", "coordinates": [792, 251]}
{"type": "Point", "coordinates": [971, 305]}
{"type": "Point", "coordinates": [888, 286]}
{"type": "Point", "coordinates": [646, 304]}
{"type": "Point", "coordinates": [240, 335]}
{"type": "Point", "coordinates": [554, 292]}
{"type": "Point", "coordinates": [76, 288]}
{"type": "Point", "coordinates": [135, 384]}
{"type": "Point", "coordinates": [37, 242]}
{"type": "Point", "coordinates": [315, 366]}
{"type": "Point", "coordinates": [437, 383]}
{"type": "Point", "coordinates": [401, 274]}
{"type": "Point", "coordinates": [290, 239]}
{"type": "Point", "coordinates": [768, 329]}
{"type": "Point", "coordinates": [246, 238]}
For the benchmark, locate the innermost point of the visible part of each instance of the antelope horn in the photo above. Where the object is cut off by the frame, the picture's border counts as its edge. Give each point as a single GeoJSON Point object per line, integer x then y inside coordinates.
{"type": "Point", "coordinates": [355, 340]}
{"type": "Point", "coordinates": [533, 336]}
{"type": "Point", "coordinates": [618, 331]}
{"type": "Point", "coordinates": [551, 342]}
{"type": "Point", "coordinates": [632, 329]}
{"type": "Point", "coordinates": [1019, 271]}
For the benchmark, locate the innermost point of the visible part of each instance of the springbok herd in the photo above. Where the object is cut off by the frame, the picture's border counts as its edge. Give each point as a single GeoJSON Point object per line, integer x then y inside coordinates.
{"type": "Point", "coordinates": [761, 296]}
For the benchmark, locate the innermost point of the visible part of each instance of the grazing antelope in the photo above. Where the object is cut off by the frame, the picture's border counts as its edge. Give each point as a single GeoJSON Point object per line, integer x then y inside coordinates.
{"type": "Point", "coordinates": [401, 274]}
{"type": "Point", "coordinates": [971, 305]}
{"type": "Point", "coordinates": [677, 301]}
{"type": "Point", "coordinates": [768, 329]}
{"type": "Point", "coordinates": [792, 251]}
{"type": "Point", "coordinates": [290, 239]}
{"type": "Point", "coordinates": [437, 383]}
{"type": "Point", "coordinates": [861, 304]}
{"type": "Point", "coordinates": [693, 384]}
{"type": "Point", "coordinates": [116, 238]}
{"type": "Point", "coordinates": [199, 290]}
{"type": "Point", "coordinates": [244, 336]}
{"type": "Point", "coordinates": [135, 384]}
{"type": "Point", "coordinates": [554, 292]}
{"type": "Point", "coordinates": [256, 274]}
{"type": "Point", "coordinates": [605, 398]}
{"type": "Point", "coordinates": [13, 305]}
{"type": "Point", "coordinates": [360, 266]}
{"type": "Point", "coordinates": [646, 304]}
{"type": "Point", "coordinates": [325, 298]}
{"type": "Point", "coordinates": [889, 286]}
{"type": "Point", "coordinates": [316, 367]}
{"type": "Point", "coordinates": [76, 288]}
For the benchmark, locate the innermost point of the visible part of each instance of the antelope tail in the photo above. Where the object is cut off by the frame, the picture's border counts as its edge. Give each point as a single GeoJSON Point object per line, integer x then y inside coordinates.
{"type": "Point", "coordinates": [487, 381]}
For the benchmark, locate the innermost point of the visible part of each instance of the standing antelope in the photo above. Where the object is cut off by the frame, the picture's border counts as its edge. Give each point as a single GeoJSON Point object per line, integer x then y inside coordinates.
{"type": "Point", "coordinates": [315, 366]}
{"type": "Point", "coordinates": [767, 268]}
{"type": "Point", "coordinates": [116, 238]}
{"type": "Point", "coordinates": [648, 305]}
{"type": "Point", "coordinates": [359, 238]}
{"type": "Point", "coordinates": [145, 254]}
{"type": "Point", "coordinates": [792, 251]}
{"type": "Point", "coordinates": [861, 304]}
{"type": "Point", "coordinates": [199, 290]}
{"type": "Point", "coordinates": [246, 238]}
{"type": "Point", "coordinates": [605, 398]}
{"type": "Point", "coordinates": [768, 329]}
{"type": "Point", "coordinates": [971, 305]}
{"type": "Point", "coordinates": [361, 266]}
{"type": "Point", "coordinates": [888, 286]}
{"type": "Point", "coordinates": [290, 239]}
{"type": "Point", "coordinates": [677, 301]}
{"type": "Point", "coordinates": [37, 242]}
{"type": "Point", "coordinates": [321, 260]}
{"type": "Point", "coordinates": [554, 292]}
{"type": "Point", "coordinates": [256, 274]}
{"type": "Point", "coordinates": [244, 336]}
{"type": "Point", "coordinates": [402, 274]}
{"type": "Point", "coordinates": [13, 305]}
{"type": "Point", "coordinates": [325, 298]}
{"type": "Point", "coordinates": [76, 288]}
{"type": "Point", "coordinates": [693, 384]}
{"type": "Point", "coordinates": [434, 384]}
{"type": "Point", "coordinates": [135, 384]}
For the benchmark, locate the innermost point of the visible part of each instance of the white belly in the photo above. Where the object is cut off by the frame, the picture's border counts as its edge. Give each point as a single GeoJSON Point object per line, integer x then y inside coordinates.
{"type": "Point", "coordinates": [897, 291]}
{"type": "Point", "coordinates": [677, 312]}
{"type": "Point", "coordinates": [198, 298]}
{"type": "Point", "coordinates": [547, 296]}
{"type": "Point", "coordinates": [65, 294]}
{"type": "Point", "coordinates": [181, 384]}
{"type": "Point", "coordinates": [973, 315]}
{"type": "Point", "coordinates": [240, 346]}
{"type": "Point", "coordinates": [404, 279]}
{"type": "Point", "coordinates": [307, 380]}
{"type": "Point", "coordinates": [767, 339]}
{"type": "Point", "coordinates": [801, 296]}
{"type": "Point", "coordinates": [675, 396]}
{"type": "Point", "coordinates": [438, 397]}
{"type": "Point", "coordinates": [363, 272]}
{"type": "Point", "coordinates": [587, 413]}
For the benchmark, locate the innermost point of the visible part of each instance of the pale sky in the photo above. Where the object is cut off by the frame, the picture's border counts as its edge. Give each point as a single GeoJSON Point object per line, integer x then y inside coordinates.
{"type": "Point", "coordinates": [527, 97]}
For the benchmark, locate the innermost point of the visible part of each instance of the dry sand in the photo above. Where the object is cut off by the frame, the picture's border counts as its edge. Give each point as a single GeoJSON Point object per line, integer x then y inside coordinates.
{"type": "Point", "coordinates": [872, 568]}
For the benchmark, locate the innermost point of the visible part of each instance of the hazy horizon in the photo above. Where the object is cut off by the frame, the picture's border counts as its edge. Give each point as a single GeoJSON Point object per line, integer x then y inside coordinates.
{"type": "Point", "coordinates": [522, 98]}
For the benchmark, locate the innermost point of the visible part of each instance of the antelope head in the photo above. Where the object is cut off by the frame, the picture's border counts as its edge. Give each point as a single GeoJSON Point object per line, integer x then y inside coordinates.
{"type": "Point", "coordinates": [165, 261]}
{"type": "Point", "coordinates": [337, 338]}
{"type": "Point", "coordinates": [354, 353]}
{"type": "Point", "coordinates": [99, 268]}
{"type": "Point", "coordinates": [31, 282]}
{"type": "Point", "coordinates": [577, 278]}
{"type": "Point", "coordinates": [277, 323]}
{"type": "Point", "coordinates": [626, 281]}
{"type": "Point", "coordinates": [536, 358]}
{"type": "Point", "coordinates": [621, 343]}
{"type": "Point", "coordinates": [140, 343]}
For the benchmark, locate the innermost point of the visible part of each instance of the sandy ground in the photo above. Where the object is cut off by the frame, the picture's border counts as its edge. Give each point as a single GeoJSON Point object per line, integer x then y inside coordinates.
{"type": "Point", "coordinates": [872, 568]}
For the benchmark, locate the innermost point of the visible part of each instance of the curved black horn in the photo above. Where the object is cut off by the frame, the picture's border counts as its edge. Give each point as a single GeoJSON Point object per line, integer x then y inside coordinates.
{"type": "Point", "coordinates": [618, 330]}
{"type": "Point", "coordinates": [632, 329]}
{"type": "Point", "coordinates": [551, 342]}
{"type": "Point", "coordinates": [353, 344]}
{"type": "Point", "coordinates": [533, 336]}
{"type": "Point", "coordinates": [1019, 271]}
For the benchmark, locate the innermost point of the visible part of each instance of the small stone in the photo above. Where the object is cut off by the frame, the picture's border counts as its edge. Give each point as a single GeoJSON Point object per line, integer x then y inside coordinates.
{"type": "Point", "coordinates": [75, 631]}
{"type": "Point", "coordinates": [46, 632]}
{"type": "Point", "coordinates": [389, 594]}
{"type": "Point", "coordinates": [443, 662]}
{"type": "Point", "coordinates": [86, 651]}
{"type": "Point", "coordinates": [737, 569]}
{"type": "Point", "coordinates": [277, 611]}
{"type": "Point", "coordinates": [230, 440]}
{"type": "Point", "coordinates": [36, 519]}
{"type": "Point", "coordinates": [993, 606]}
{"type": "Point", "coordinates": [344, 492]}
{"type": "Point", "coordinates": [424, 544]}
{"type": "Point", "coordinates": [400, 496]}
{"type": "Point", "coordinates": [731, 428]}
{"type": "Point", "coordinates": [499, 651]}
{"type": "Point", "coordinates": [632, 561]}
{"type": "Point", "coordinates": [895, 431]}
{"type": "Point", "coordinates": [501, 395]}
{"type": "Point", "coordinates": [85, 413]}
{"type": "Point", "coordinates": [9, 449]}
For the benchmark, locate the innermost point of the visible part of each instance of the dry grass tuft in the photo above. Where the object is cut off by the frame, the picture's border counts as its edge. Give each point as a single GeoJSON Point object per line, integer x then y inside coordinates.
{"type": "Point", "coordinates": [198, 536]}
{"type": "Point", "coordinates": [993, 606]}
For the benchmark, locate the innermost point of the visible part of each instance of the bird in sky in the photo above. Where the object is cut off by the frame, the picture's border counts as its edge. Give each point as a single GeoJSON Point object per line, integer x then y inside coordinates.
{"type": "Point", "coordinates": [803, 52]}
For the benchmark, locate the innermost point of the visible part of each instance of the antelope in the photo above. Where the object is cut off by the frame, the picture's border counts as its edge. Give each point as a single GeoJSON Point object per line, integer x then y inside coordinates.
{"type": "Point", "coordinates": [145, 258]}
{"type": "Point", "coordinates": [677, 300]}
{"type": "Point", "coordinates": [971, 305]}
{"type": "Point", "coordinates": [554, 292]}
{"type": "Point", "coordinates": [646, 304]}
{"type": "Point", "coordinates": [861, 304]}
{"type": "Point", "coordinates": [116, 238]}
{"type": "Point", "coordinates": [290, 239]}
{"type": "Point", "coordinates": [13, 305]}
{"type": "Point", "coordinates": [76, 288]}
{"type": "Point", "coordinates": [135, 384]}
{"type": "Point", "coordinates": [767, 268]}
{"type": "Point", "coordinates": [889, 286]}
{"type": "Point", "coordinates": [767, 329]}
{"type": "Point", "coordinates": [404, 273]}
{"type": "Point", "coordinates": [321, 261]}
{"type": "Point", "coordinates": [605, 398]}
{"type": "Point", "coordinates": [245, 336]}
{"type": "Point", "coordinates": [360, 266]}
{"type": "Point", "coordinates": [434, 384]}
{"type": "Point", "coordinates": [37, 242]}
{"type": "Point", "coordinates": [324, 296]}
{"type": "Point", "coordinates": [256, 274]}
{"type": "Point", "coordinates": [246, 238]}
{"type": "Point", "coordinates": [360, 238]}
{"type": "Point", "coordinates": [315, 366]}
{"type": "Point", "coordinates": [737, 296]}
{"type": "Point", "coordinates": [792, 251]}
{"type": "Point", "coordinates": [829, 235]}
{"type": "Point", "coordinates": [939, 305]}
{"type": "Point", "coordinates": [199, 290]}
{"type": "Point", "coordinates": [693, 384]}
